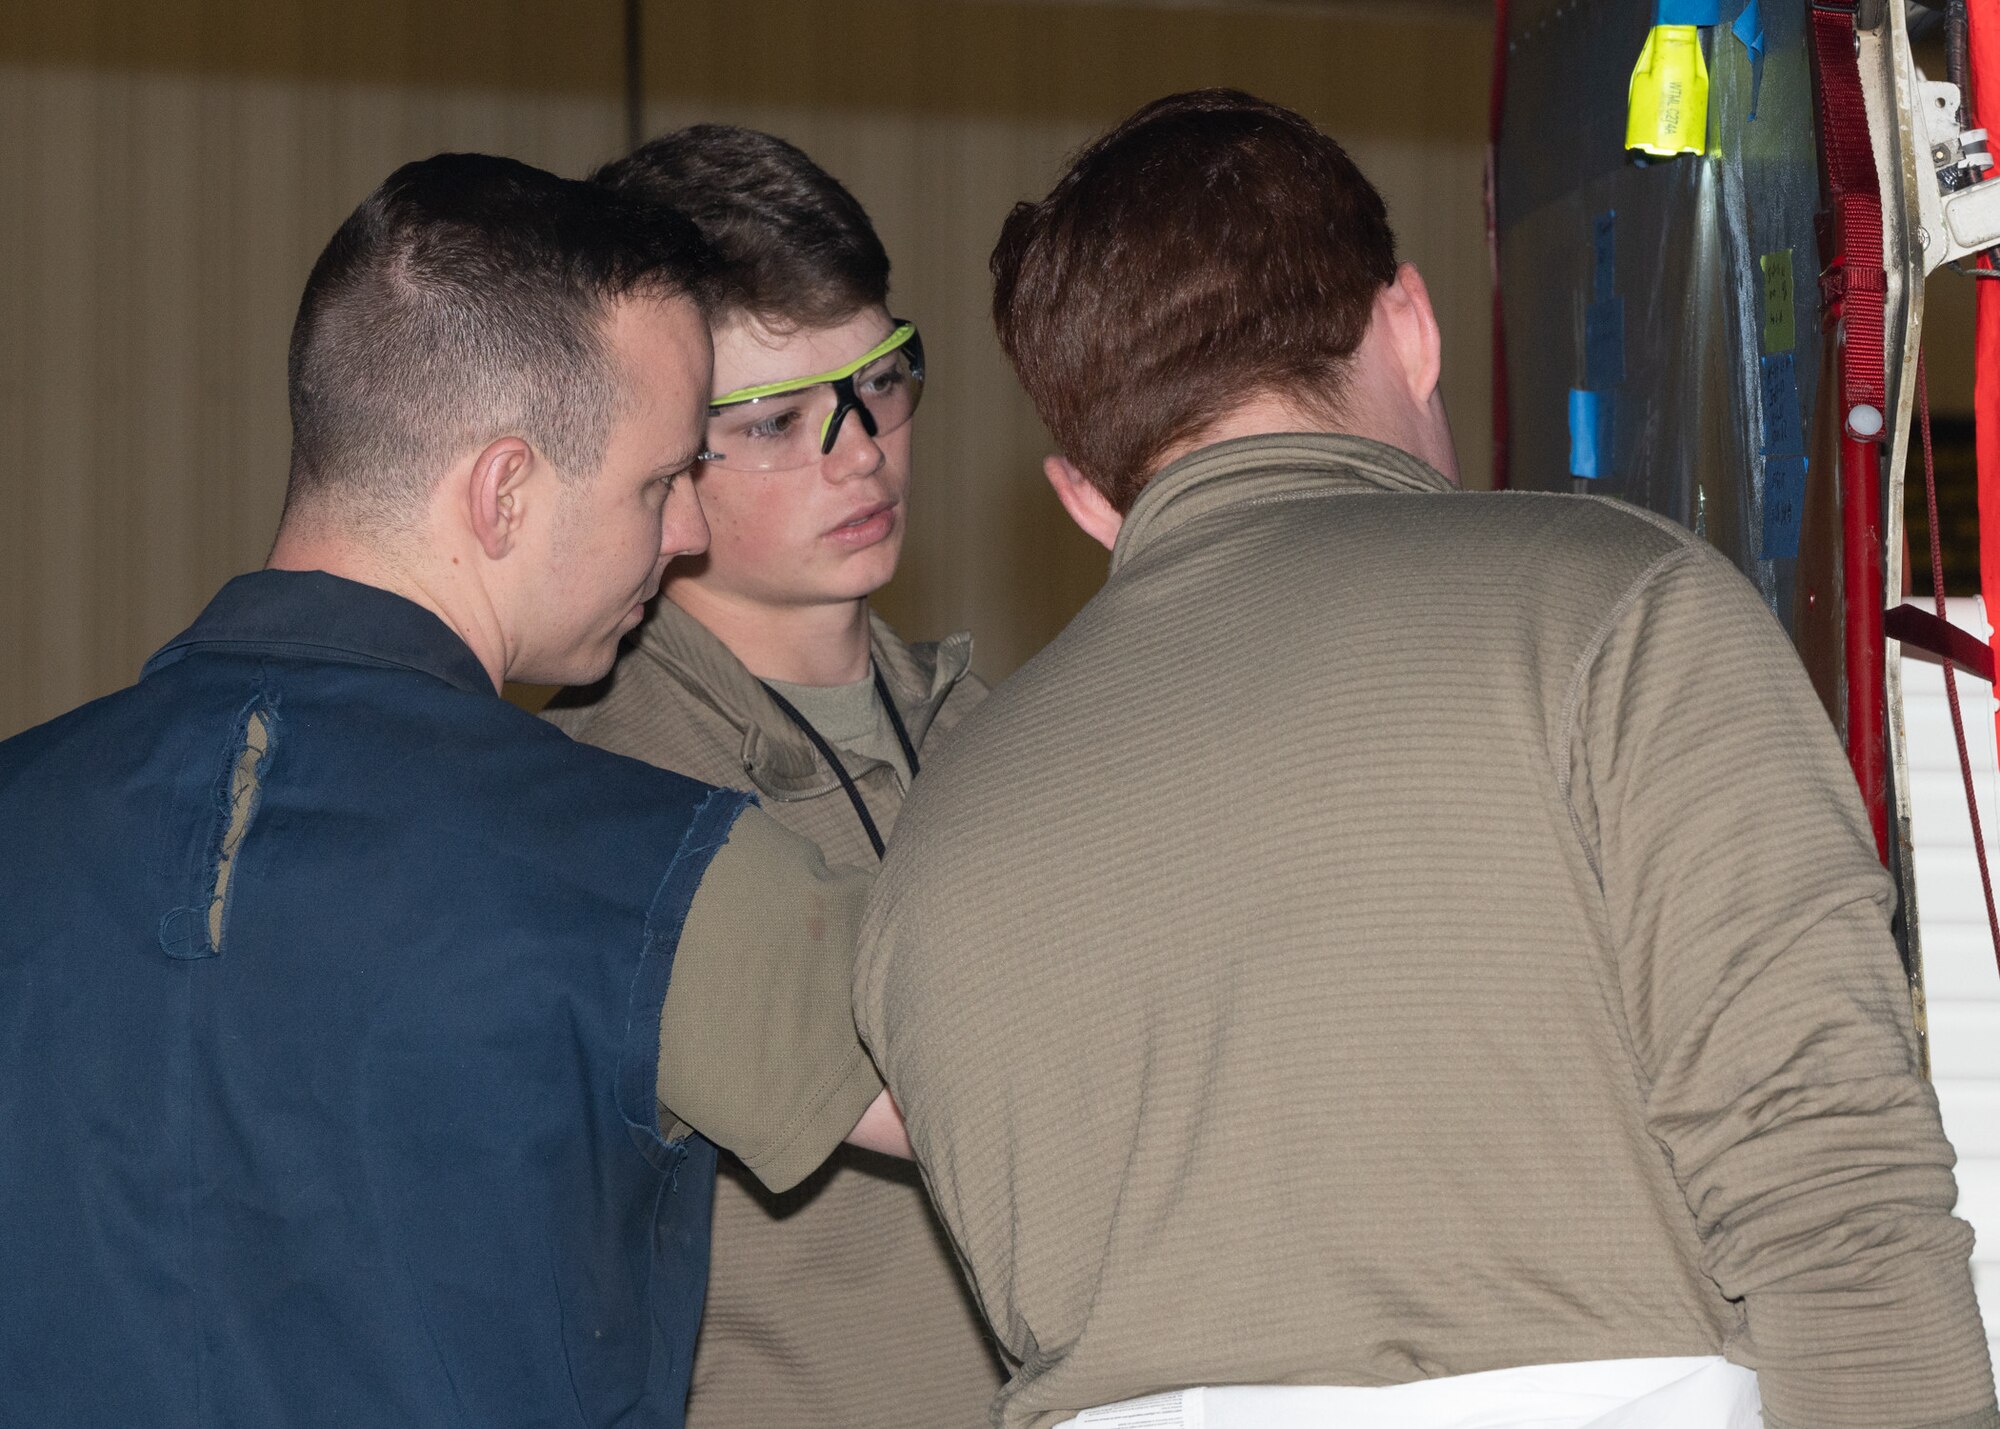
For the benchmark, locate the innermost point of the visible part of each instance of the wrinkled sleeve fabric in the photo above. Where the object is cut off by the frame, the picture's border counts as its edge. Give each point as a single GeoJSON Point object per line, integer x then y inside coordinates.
{"type": "Point", "coordinates": [758, 1050]}
{"type": "Point", "coordinates": [1768, 1010]}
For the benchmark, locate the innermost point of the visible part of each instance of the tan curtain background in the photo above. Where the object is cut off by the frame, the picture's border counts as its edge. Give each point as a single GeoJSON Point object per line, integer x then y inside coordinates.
{"type": "Point", "coordinates": [169, 170]}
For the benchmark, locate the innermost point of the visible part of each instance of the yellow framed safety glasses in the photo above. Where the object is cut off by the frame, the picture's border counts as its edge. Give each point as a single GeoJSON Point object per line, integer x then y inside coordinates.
{"type": "Point", "coordinates": [781, 425]}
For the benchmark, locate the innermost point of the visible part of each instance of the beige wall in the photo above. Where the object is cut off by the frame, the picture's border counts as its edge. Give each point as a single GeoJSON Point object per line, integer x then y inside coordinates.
{"type": "Point", "coordinates": [168, 172]}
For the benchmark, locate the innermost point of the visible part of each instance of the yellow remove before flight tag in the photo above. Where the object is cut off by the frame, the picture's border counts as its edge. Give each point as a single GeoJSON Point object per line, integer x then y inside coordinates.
{"type": "Point", "coordinates": [1667, 106]}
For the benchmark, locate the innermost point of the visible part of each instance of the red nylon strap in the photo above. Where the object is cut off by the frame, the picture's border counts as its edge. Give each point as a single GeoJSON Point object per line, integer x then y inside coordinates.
{"type": "Point", "coordinates": [1852, 282]}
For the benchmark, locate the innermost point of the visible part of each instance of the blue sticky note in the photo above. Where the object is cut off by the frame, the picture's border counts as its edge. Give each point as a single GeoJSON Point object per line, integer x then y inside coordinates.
{"type": "Point", "coordinates": [1589, 433]}
{"type": "Point", "coordinates": [1604, 343]}
{"type": "Point", "coordinates": [1784, 505]}
{"type": "Point", "coordinates": [1687, 12]}
{"type": "Point", "coordinates": [1784, 432]}
{"type": "Point", "coordinates": [1604, 254]}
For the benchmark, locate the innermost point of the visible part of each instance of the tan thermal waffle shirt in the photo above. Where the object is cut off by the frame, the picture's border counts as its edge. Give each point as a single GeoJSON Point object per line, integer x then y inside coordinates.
{"type": "Point", "coordinates": [1398, 932]}
{"type": "Point", "coordinates": [838, 1303]}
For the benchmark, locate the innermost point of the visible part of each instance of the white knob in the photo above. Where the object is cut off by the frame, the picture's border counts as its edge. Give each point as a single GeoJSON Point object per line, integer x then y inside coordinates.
{"type": "Point", "coordinates": [1864, 421]}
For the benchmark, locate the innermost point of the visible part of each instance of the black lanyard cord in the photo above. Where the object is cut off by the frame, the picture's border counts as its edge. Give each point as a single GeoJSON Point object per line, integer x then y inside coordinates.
{"type": "Point", "coordinates": [896, 721]}
{"type": "Point", "coordinates": [833, 760]}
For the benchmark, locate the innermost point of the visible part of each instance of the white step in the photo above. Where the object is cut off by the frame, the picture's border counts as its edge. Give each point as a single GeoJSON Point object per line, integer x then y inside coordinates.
{"type": "Point", "coordinates": [1978, 1187]}
{"type": "Point", "coordinates": [1965, 1040]}
{"type": "Point", "coordinates": [1971, 1111]}
{"type": "Point", "coordinates": [1959, 965]}
{"type": "Point", "coordinates": [1961, 979]}
{"type": "Point", "coordinates": [1948, 888]}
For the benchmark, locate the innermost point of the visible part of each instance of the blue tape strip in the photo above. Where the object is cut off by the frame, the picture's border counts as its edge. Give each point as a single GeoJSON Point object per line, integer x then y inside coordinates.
{"type": "Point", "coordinates": [1784, 506]}
{"type": "Point", "coordinates": [1749, 28]}
{"type": "Point", "coordinates": [1589, 433]}
{"type": "Point", "coordinates": [1687, 12]}
{"type": "Point", "coordinates": [1784, 432]}
{"type": "Point", "coordinates": [1604, 344]}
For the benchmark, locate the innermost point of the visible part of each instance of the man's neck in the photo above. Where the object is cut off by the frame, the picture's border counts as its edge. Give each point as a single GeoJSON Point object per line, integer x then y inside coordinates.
{"type": "Point", "coordinates": [799, 644]}
{"type": "Point", "coordinates": [1428, 438]}
{"type": "Point", "coordinates": [473, 620]}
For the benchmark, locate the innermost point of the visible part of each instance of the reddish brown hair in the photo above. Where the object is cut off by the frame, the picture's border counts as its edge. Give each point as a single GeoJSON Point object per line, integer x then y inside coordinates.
{"type": "Point", "coordinates": [1210, 248]}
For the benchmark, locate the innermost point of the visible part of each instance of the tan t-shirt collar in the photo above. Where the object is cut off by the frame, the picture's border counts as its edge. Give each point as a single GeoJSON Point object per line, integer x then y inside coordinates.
{"type": "Point", "coordinates": [778, 759]}
{"type": "Point", "coordinates": [1260, 468]}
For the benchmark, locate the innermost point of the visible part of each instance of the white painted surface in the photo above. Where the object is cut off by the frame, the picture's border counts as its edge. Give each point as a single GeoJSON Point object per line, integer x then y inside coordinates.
{"type": "Point", "coordinates": [1961, 979]}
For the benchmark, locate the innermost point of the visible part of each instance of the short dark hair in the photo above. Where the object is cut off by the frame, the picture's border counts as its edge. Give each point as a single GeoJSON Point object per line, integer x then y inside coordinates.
{"type": "Point", "coordinates": [795, 248]}
{"type": "Point", "coordinates": [464, 300]}
{"type": "Point", "coordinates": [1211, 247]}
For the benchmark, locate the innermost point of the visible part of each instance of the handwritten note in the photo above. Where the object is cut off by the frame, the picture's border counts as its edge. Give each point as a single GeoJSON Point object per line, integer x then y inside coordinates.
{"type": "Point", "coordinates": [1784, 432]}
{"type": "Point", "coordinates": [1784, 505]}
{"type": "Point", "coordinates": [1781, 323]}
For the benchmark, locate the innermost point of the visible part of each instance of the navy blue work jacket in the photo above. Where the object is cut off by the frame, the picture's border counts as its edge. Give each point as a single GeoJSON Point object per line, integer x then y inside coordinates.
{"type": "Point", "coordinates": [327, 1068]}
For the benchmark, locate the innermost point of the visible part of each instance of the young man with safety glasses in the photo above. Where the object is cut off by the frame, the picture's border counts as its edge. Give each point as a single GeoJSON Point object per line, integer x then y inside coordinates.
{"type": "Point", "coordinates": [762, 668]}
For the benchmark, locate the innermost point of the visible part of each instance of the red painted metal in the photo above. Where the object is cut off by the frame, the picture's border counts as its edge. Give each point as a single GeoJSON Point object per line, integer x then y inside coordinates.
{"type": "Point", "coordinates": [1983, 34]}
{"type": "Point", "coordinates": [1915, 628]}
{"type": "Point", "coordinates": [1861, 577]}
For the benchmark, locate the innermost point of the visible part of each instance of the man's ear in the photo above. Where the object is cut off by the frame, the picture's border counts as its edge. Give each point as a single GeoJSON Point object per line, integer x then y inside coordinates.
{"type": "Point", "coordinates": [1087, 506]}
{"type": "Point", "coordinates": [1410, 324]}
{"type": "Point", "coordinates": [494, 506]}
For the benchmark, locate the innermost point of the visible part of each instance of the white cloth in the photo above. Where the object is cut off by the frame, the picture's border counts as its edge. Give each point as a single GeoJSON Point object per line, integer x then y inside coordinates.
{"type": "Point", "coordinates": [1694, 1392]}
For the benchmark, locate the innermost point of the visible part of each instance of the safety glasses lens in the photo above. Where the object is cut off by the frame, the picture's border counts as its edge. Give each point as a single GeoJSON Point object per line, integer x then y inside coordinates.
{"type": "Point", "coordinates": [793, 429]}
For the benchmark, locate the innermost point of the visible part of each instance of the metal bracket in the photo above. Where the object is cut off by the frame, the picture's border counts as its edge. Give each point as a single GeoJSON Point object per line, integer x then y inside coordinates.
{"type": "Point", "coordinates": [1958, 211]}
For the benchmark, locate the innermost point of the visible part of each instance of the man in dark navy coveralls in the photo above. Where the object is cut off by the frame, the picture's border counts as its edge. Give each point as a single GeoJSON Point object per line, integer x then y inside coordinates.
{"type": "Point", "coordinates": [342, 1078]}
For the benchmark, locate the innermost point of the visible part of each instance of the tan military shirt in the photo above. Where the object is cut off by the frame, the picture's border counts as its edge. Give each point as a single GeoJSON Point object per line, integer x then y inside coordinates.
{"type": "Point", "coordinates": [757, 1046]}
{"type": "Point", "coordinates": [838, 1303]}
{"type": "Point", "coordinates": [1398, 932]}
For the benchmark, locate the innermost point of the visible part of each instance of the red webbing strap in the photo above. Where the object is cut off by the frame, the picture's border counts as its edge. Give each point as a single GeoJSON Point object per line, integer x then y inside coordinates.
{"type": "Point", "coordinates": [1852, 286]}
{"type": "Point", "coordinates": [1852, 283]}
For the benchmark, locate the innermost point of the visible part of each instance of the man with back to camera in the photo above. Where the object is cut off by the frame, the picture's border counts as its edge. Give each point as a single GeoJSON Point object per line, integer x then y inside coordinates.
{"type": "Point", "coordinates": [335, 997]}
{"type": "Point", "coordinates": [761, 667]}
{"type": "Point", "coordinates": [1401, 955]}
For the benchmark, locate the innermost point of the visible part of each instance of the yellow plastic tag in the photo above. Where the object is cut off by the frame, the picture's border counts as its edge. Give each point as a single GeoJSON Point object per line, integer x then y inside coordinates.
{"type": "Point", "coordinates": [1667, 106]}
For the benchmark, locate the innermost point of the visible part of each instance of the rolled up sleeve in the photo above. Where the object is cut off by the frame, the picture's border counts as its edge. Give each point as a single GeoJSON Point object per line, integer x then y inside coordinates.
{"type": "Point", "coordinates": [758, 1050]}
{"type": "Point", "coordinates": [1769, 1012]}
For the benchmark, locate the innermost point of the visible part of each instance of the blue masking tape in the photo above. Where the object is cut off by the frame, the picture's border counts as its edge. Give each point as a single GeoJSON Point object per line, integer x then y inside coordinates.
{"type": "Point", "coordinates": [1604, 254]}
{"type": "Point", "coordinates": [1784, 433]}
{"type": "Point", "coordinates": [1604, 343]}
{"type": "Point", "coordinates": [1687, 12]}
{"type": "Point", "coordinates": [1589, 433]}
{"type": "Point", "coordinates": [1749, 28]}
{"type": "Point", "coordinates": [1784, 506]}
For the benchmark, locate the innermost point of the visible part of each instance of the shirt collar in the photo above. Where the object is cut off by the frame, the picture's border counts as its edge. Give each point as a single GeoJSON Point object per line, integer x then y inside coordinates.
{"type": "Point", "coordinates": [321, 616]}
{"type": "Point", "coordinates": [1247, 469]}
{"type": "Point", "coordinates": [779, 760]}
